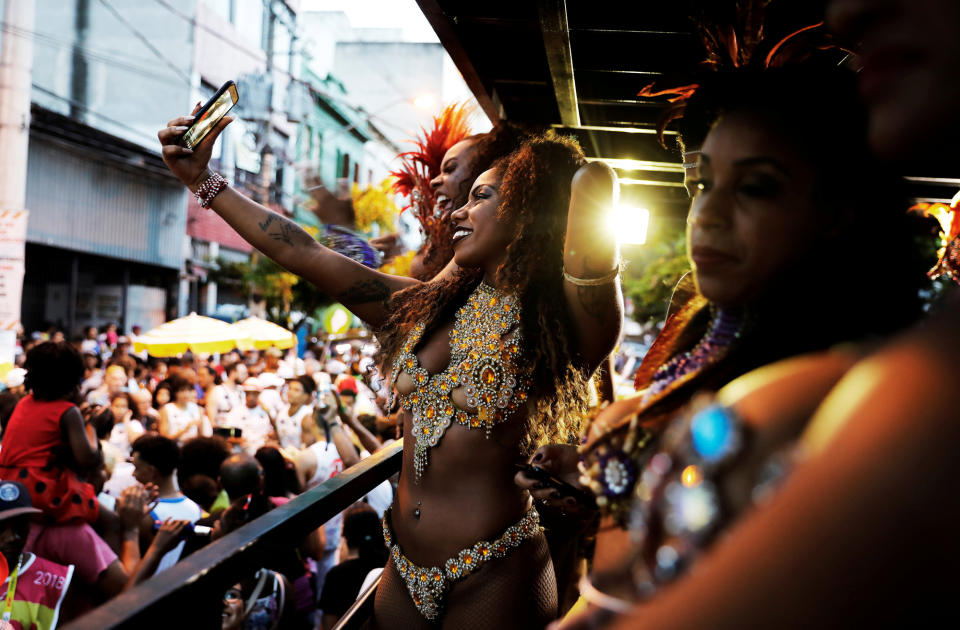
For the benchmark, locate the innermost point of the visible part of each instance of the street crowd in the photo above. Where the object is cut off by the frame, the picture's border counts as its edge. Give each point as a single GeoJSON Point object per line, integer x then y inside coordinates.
{"type": "Point", "coordinates": [117, 465]}
{"type": "Point", "coordinates": [786, 461]}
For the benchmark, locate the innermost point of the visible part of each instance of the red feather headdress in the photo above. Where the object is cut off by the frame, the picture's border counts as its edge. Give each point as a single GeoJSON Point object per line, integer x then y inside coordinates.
{"type": "Point", "coordinates": [421, 165]}
{"type": "Point", "coordinates": [735, 43]}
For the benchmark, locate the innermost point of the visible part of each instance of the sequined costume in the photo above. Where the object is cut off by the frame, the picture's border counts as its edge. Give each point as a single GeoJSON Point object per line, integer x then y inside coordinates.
{"type": "Point", "coordinates": [484, 346]}
{"type": "Point", "coordinates": [610, 462]}
{"type": "Point", "coordinates": [427, 586]}
{"type": "Point", "coordinates": [677, 507]}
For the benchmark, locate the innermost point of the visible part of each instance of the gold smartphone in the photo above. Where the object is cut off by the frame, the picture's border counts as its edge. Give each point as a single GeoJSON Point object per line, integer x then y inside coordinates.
{"type": "Point", "coordinates": [210, 114]}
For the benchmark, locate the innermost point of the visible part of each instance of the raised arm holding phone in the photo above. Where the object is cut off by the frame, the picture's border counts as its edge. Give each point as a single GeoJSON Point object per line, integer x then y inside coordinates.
{"type": "Point", "coordinates": [364, 291]}
{"type": "Point", "coordinates": [517, 263]}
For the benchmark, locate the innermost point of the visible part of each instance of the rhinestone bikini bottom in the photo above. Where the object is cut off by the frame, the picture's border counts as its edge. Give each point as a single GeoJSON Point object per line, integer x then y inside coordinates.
{"type": "Point", "coordinates": [427, 586]}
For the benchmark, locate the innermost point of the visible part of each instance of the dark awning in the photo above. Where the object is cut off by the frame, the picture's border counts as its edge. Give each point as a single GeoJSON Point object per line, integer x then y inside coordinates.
{"type": "Point", "coordinates": [577, 65]}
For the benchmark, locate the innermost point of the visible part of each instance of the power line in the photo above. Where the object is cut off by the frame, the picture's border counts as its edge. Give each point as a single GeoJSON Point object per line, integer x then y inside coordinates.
{"type": "Point", "coordinates": [318, 92]}
{"type": "Point", "coordinates": [143, 39]}
{"type": "Point", "coordinates": [89, 110]}
{"type": "Point", "coordinates": [89, 53]}
{"type": "Point", "coordinates": [214, 32]}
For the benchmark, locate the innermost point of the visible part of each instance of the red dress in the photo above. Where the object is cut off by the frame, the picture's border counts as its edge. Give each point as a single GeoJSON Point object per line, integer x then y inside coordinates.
{"type": "Point", "coordinates": [28, 455]}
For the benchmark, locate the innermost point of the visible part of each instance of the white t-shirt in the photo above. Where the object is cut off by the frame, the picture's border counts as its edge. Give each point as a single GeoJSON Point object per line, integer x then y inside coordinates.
{"type": "Point", "coordinates": [178, 419]}
{"type": "Point", "coordinates": [291, 427]}
{"type": "Point", "coordinates": [380, 497]}
{"type": "Point", "coordinates": [329, 465]}
{"type": "Point", "coordinates": [176, 508]}
{"type": "Point", "coordinates": [121, 479]}
{"type": "Point", "coordinates": [225, 400]}
{"type": "Point", "coordinates": [256, 428]}
{"type": "Point", "coordinates": [271, 399]}
{"type": "Point", "coordinates": [120, 439]}
{"type": "Point", "coordinates": [91, 346]}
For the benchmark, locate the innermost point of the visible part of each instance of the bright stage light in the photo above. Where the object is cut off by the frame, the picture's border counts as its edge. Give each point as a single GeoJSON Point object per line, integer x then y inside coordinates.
{"type": "Point", "coordinates": [630, 224]}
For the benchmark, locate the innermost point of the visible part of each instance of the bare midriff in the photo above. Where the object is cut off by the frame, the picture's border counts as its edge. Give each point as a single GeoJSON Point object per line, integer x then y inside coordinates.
{"type": "Point", "coordinates": [467, 493]}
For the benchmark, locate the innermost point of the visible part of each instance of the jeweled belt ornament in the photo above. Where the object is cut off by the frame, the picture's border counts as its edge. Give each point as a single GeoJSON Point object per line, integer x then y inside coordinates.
{"type": "Point", "coordinates": [427, 586]}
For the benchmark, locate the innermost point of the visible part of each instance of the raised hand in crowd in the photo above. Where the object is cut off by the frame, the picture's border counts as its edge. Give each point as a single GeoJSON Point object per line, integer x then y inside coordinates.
{"type": "Point", "coordinates": [167, 537]}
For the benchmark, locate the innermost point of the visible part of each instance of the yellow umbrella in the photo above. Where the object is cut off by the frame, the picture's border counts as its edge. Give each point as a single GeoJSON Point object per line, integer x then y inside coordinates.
{"type": "Point", "coordinates": [193, 332]}
{"type": "Point", "coordinates": [265, 334]}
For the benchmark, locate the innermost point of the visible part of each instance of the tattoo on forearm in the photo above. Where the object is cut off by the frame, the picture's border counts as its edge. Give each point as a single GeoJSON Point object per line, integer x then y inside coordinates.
{"type": "Point", "coordinates": [365, 292]}
{"type": "Point", "coordinates": [265, 224]}
{"type": "Point", "coordinates": [287, 229]}
{"type": "Point", "coordinates": [594, 301]}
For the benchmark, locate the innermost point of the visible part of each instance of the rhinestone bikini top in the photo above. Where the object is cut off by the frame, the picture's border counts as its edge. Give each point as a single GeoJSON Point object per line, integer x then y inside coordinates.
{"type": "Point", "coordinates": [484, 346]}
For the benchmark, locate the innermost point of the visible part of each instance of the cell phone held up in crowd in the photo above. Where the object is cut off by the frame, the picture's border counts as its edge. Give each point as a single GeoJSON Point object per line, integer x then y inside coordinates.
{"type": "Point", "coordinates": [210, 114]}
{"type": "Point", "coordinates": [543, 476]}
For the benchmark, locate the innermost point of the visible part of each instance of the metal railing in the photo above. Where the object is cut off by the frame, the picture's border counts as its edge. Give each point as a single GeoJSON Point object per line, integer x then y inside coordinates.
{"type": "Point", "coordinates": [190, 594]}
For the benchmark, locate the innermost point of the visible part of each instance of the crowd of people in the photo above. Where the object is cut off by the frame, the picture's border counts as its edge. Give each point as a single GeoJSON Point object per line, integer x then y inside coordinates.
{"type": "Point", "coordinates": [785, 462]}
{"type": "Point", "coordinates": [118, 465]}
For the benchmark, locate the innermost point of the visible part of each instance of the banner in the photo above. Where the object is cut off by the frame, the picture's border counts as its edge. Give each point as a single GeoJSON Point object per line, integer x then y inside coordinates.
{"type": "Point", "coordinates": [13, 235]}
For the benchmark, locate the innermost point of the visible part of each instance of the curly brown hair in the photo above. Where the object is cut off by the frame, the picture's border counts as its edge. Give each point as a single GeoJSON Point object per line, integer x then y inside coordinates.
{"type": "Point", "coordinates": [503, 139]}
{"type": "Point", "coordinates": [535, 195]}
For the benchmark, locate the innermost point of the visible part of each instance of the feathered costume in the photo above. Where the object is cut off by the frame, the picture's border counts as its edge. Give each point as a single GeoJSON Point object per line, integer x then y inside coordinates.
{"type": "Point", "coordinates": [413, 177]}
{"type": "Point", "coordinates": [738, 43]}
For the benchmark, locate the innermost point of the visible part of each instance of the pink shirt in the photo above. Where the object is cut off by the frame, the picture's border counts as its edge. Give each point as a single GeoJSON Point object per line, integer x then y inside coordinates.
{"type": "Point", "coordinates": [73, 543]}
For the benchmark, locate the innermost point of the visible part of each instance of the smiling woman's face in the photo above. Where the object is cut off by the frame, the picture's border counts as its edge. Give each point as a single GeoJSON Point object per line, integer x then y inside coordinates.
{"type": "Point", "coordinates": [480, 235]}
{"type": "Point", "coordinates": [232, 617]}
{"type": "Point", "coordinates": [451, 185]}
{"type": "Point", "coordinates": [753, 212]}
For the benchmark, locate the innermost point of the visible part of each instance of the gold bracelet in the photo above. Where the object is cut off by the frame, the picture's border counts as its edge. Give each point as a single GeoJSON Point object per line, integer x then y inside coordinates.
{"type": "Point", "coordinates": [606, 278]}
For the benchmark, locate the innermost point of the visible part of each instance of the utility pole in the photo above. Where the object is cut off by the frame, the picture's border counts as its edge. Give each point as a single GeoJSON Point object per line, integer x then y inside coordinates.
{"type": "Point", "coordinates": [16, 62]}
{"type": "Point", "coordinates": [266, 154]}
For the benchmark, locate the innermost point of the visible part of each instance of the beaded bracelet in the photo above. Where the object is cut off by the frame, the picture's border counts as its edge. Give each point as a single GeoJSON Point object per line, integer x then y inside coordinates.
{"type": "Point", "coordinates": [209, 189]}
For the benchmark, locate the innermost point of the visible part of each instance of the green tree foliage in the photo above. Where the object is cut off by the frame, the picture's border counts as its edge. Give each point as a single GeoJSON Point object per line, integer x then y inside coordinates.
{"type": "Point", "coordinates": [652, 273]}
{"type": "Point", "coordinates": [283, 292]}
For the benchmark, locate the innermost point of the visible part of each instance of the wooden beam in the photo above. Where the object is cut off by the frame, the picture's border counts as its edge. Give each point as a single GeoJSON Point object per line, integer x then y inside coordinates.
{"type": "Point", "coordinates": [639, 165]}
{"type": "Point", "coordinates": [652, 131]}
{"type": "Point", "coordinates": [556, 40]}
{"type": "Point", "coordinates": [443, 27]}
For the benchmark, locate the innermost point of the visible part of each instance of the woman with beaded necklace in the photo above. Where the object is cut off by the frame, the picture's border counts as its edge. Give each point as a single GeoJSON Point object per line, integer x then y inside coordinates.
{"type": "Point", "coordinates": [487, 363]}
{"type": "Point", "coordinates": [776, 234]}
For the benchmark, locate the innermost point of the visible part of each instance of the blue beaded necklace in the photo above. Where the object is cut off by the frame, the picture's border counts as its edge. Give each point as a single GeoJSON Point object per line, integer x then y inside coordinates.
{"type": "Point", "coordinates": [725, 327]}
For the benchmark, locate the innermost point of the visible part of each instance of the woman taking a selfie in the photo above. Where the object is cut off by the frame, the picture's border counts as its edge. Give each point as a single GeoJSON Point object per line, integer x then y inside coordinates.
{"type": "Point", "coordinates": [486, 364]}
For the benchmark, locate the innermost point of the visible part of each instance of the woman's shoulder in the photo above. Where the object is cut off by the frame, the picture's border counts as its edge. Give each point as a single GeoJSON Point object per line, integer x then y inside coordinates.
{"type": "Point", "coordinates": [796, 385]}
{"type": "Point", "coordinates": [36, 405]}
